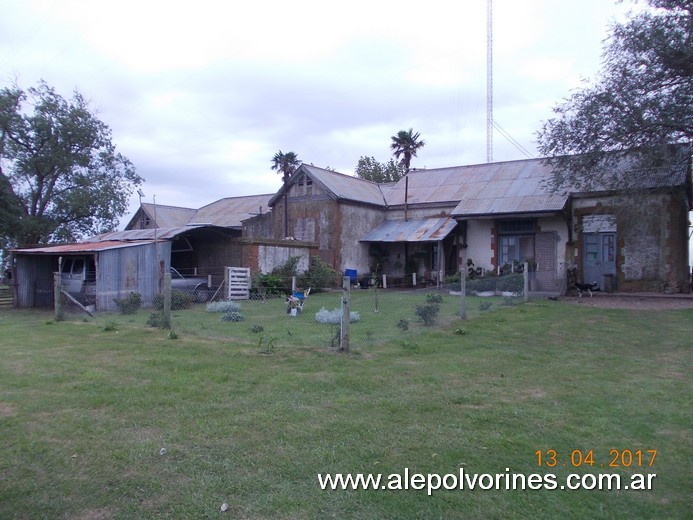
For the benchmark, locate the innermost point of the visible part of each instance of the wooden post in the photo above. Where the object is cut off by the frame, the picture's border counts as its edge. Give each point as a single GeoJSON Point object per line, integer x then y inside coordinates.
{"type": "Point", "coordinates": [344, 329]}
{"type": "Point", "coordinates": [57, 297]}
{"type": "Point", "coordinates": [463, 282]}
{"type": "Point", "coordinates": [226, 283]}
{"type": "Point", "coordinates": [525, 275]}
{"type": "Point", "coordinates": [167, 300]}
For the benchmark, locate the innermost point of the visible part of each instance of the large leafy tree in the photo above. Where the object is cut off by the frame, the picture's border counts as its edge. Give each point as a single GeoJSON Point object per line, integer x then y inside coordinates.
{"type": "Point", "coordinates": [286, 164]}
{"type": "Point", "coordinates": [370, 169]}
{"type": "Point", "coordinates": [60, 175]}
{"type": "Point", "coordinates": [405, 145]}
{"type": "Point", "coordinates": [640, 105]}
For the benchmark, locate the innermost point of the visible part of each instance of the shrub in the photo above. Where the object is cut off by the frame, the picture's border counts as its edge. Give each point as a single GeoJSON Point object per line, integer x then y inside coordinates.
{"type": "Point", "coordinates": [484, 306]}
{"type": "Point", "coordinates": [156, 320]}
{"type": "Point", "coordinates": [428, 313]}
{"type": "Point", "coordinates": [511, 283]}
{"type": "Point", "coordinates": [256, 329]}
{"type": "Point", "coordinates": [270, 284]}
{"type": "Point", "coordinates": [334, 317]}
{"type": "Point", "coordinates": [223, 306]}
{"type": "Point", "coordinates": [319, 274]}
{"type": "Point", "coordinates": [130, 304]}
{"type": "Point", "coordinates": [403, 324]}
{"type": "Point", "coordinates": [452, 279]}
{"type": "Point", "coordinates": [487, 283]}
{"type": "Point", "coordinates": [179, 300]}
{"type": "Point", "coordinates": [433, 297]}
{"type": "Point", "coordinates": [233, 316]}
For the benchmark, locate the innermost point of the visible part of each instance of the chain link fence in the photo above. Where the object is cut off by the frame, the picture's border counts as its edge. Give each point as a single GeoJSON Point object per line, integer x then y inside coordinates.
{"type": "Point", "coordinates": [270, 318]}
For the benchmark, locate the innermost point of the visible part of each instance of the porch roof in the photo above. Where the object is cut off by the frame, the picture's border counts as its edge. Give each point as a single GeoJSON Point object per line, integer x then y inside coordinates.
{"type": "Point", "coordinates": [412, 230]}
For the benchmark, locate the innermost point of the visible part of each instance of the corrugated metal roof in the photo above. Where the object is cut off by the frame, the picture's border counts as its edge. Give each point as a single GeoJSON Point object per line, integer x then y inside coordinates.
{"type": "Point", "coordinates": [83, 247]}
{"type": "Point", "coordinates": [341, 186]}
{"type": "Point", "coordinates": [228, 212]}
{"type": "Point", "coordinates": [168, 216]}
{"type": "Point", "coordinates": [152, 234]}
{"type": "Point", "coordinates": [482, 189]}
{"type": "Point", "coordinates": [231, 211]}
{"type": "Point", "coordinates": [414, 230]}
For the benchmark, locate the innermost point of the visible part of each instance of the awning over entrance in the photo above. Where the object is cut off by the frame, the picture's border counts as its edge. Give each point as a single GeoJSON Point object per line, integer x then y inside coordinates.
{"type": "Point", "coordinates": [412, 230]}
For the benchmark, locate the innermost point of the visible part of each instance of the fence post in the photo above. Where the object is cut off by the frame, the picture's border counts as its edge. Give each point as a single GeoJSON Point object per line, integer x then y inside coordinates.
{"type": "Point", "coordinates": [226, 283]}
{"type": "Point", "coordinates": [57, 297]}
{"type": "Point", "coordinates": [463, 283]}
{"type": "Point", "coordinates": [167, 300]}
{"type": "Point", "coordinates": [413, 279]}
{"type": "Point", "coordinates": [525, 276]}
{"type": "Point", "coordinates": [344, 329]}
{"type": "Point", "coordinates": [384, 281]}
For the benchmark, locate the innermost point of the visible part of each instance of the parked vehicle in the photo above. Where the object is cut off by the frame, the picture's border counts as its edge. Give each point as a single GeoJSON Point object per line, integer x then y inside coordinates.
{"type": "Point", "coordinates": [196, 286]}
{"type": "Point", "coordinates": [78, 278]}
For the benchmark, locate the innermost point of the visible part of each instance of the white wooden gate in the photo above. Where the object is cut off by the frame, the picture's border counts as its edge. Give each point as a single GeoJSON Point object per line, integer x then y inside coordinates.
{"type": "Point", "coordinates": [239, 283]}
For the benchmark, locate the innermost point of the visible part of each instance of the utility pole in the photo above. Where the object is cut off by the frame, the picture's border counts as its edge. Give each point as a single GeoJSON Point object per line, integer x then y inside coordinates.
{"type": "Point", "coordinates": [489, 81]}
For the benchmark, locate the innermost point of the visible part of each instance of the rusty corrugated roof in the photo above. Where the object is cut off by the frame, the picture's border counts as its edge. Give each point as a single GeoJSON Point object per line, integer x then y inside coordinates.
{"type": "Point", "coordinates": [482, 189]}
{"type": "Point", "coordinates": [413, 230]}
{"type": "Point", "coordinates": [339, 185]}
{"type": "Point", "coordinates": [83, 247]}
{"type": "Point", "coordinates": [152, 234]}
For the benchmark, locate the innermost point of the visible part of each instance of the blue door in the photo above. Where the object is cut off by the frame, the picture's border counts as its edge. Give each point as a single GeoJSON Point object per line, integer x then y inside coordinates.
{"type": "Point", "coordinates": [599, 257]}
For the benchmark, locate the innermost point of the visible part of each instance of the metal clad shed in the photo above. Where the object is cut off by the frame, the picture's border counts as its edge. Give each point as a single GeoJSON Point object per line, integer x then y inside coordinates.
{"type": "Point", "coordinates": [121, 268]}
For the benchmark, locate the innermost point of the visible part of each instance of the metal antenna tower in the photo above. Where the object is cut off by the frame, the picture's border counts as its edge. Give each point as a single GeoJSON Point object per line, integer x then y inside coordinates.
{"type": "Point", "coordinates": [489, 81]}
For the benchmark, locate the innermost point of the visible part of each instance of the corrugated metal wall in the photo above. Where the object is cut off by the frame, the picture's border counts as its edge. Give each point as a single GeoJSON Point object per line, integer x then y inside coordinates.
{"type": "Point", "coordinates": [34, 279]}
{"type": "Point", "coordinates": [130, 269]}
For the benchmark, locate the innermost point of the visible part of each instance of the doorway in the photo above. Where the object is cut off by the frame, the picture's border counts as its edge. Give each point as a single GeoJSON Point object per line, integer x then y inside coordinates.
{"type": "Point", "coordinates": [599, 257]}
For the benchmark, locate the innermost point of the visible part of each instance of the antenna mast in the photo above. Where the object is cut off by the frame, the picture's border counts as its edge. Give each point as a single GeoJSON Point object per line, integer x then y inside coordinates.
{"type": "Point", "coordinates": [489, 81]}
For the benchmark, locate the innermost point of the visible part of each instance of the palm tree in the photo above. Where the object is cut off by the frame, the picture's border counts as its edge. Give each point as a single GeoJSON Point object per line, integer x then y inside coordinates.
{"type": "Point", "coordinates": [405, 145]}
{"type": "Point", "coordinates": [286, 164]}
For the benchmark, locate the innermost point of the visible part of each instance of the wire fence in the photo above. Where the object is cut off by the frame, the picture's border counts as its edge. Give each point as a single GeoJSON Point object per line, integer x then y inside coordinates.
{"type": "Point", "coordinates": [315, 318]}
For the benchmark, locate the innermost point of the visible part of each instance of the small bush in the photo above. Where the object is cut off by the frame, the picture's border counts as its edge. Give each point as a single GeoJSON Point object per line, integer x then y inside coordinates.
{"type": "Point", "coordinates": [484, 306]}
{"type": "Point", "coordinates": [224, 306]}
{"type": "Point", "coordinates": [110, 327]}
{"type": "Point", "coordinates": [511, 283]}
{"type": "Point", "coordinates": [428, 313]}
{"type": "Point", "coordinates": [403, 324]}
{"type": "Point", "coordinates": [487, 283]}
{"type": "Point", "coordinates": [233, 316]}
{"type": "Point", "coordinates": [257, 329]}
{"type": "Point", "coordinates": [179, 300]}
{"type": "Point", "coordinates": [319, 274]}
{"type": "Point", "coordinates": [460, 331]}
{"type": "Point", "coordinates": [130, 304]}
{"type": "Point", "coordinates": [334, 317]}
{"type": "Point", "coordinates": [433, 297]}
{"type": "Point", "coordinates": [156, 320]}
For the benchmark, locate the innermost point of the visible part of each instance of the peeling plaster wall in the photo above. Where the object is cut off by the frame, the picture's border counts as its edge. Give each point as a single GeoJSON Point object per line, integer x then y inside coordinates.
{"type": "Point", "coordinates": [651, 242]}
{"type": "Point", "coordinates": [356, 222]}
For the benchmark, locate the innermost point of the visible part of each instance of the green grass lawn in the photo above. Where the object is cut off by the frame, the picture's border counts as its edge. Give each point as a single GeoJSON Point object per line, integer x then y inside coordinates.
{"type": "Point", "coordinates": [380, 319]}
{"type": "Point", "coordinates": [86, 406]}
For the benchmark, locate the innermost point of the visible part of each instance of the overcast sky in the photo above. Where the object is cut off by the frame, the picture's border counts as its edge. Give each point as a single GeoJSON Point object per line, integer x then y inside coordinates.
{"type": "Point", "coordinates": [201, 95]}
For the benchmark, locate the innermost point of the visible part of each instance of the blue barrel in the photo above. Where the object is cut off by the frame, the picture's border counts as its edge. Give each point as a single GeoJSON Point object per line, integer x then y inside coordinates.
{"type": "Point", "coordinates": [351, 273]}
